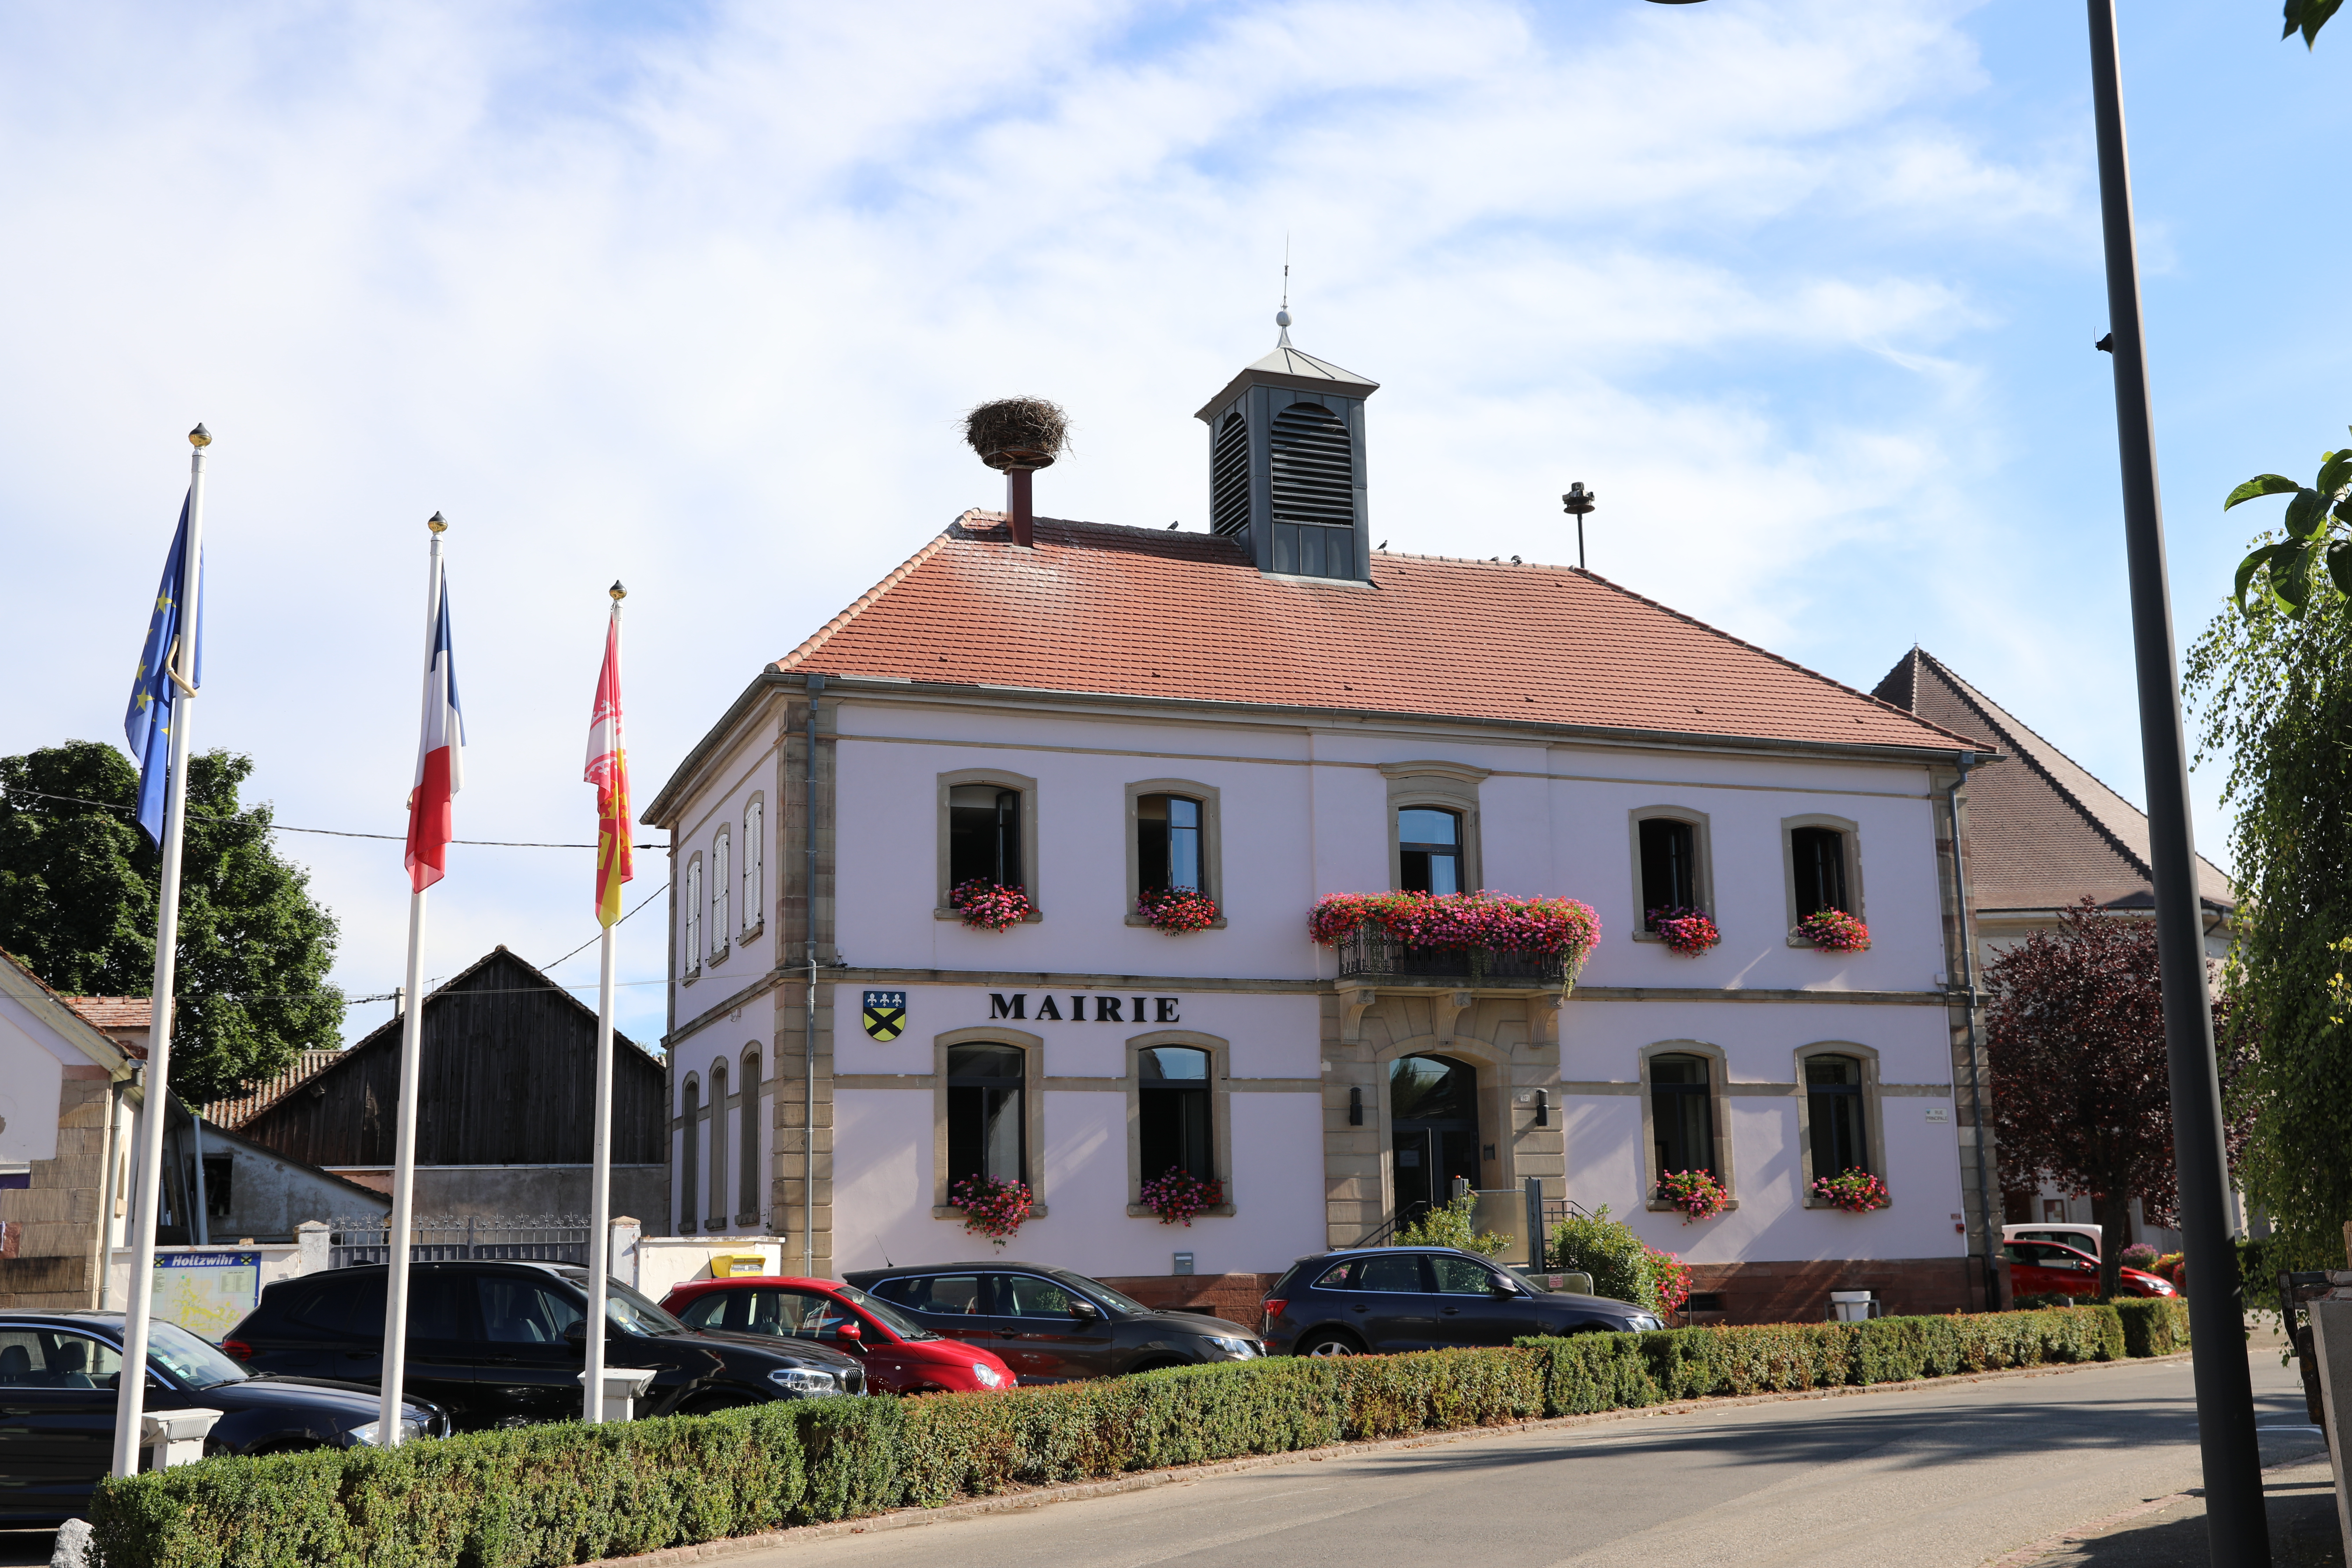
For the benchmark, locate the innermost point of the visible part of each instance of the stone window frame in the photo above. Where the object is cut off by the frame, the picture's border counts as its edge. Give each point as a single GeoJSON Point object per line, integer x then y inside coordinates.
{"type": "Point", "coordinates": [1221, 1120]}
{"type": "Point", "coordinates": [1447, 786]}
{"type": "Point", "coordinates": [1874, 1122]}
{"type": "Point", "coordinates": [721, 1178]}
{"type": "Point", "coordinates": [754, 872]}
{"type": "Point", "coordinates": [1854, 886]}
{"type": "Point", "coordinates": [1003, 778]}
{"type": "Point", "coordinates": [1718, 1104]}
{"type": "Point", "coordinates": [748, 1165]}
{"type": "Point", "coordinates": [722, 894]}
{"type": "Point", "coordinates": [1033, 1108]}
{"type": "Point", "coordinates": [691, 937]}
{"type": "Point", "coordinates": [690, 1152]}
{"type": "Point", "coordinates": [1212, 845]}
{"type": "Point", "coordinates": [1703, 848]}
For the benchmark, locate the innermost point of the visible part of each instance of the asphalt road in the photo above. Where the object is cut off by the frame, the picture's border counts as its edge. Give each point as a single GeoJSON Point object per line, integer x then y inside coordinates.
{"type": "Point", "coordinates": [1943, 1477]}
{"type": "Point", "coordinates": [1956, 1475]}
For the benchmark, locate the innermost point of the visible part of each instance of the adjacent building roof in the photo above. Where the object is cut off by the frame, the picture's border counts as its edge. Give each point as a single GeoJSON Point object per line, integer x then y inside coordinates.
{"type": "Point", "coordinates": [1095, 609]}
{"type": "Point", "coordinates": [2043, 832]}
{"type": "Point", "coordinates": [125, 1020]}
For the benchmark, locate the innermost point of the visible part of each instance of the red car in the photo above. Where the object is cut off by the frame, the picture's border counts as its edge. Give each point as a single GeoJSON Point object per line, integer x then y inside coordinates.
{"type": "Point", "coordinates": [901, 1356]}
{"type": "Point", "coordinates": [2045, 1268]}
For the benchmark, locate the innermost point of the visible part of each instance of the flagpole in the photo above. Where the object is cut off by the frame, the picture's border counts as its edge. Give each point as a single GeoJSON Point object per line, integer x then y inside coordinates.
{"type": "Point", "coordinates": [130, 1387]}
{"type": "Point", "coordinates": [412, 1036]}
{"type": "Point", "coordinates": [600, 1198]}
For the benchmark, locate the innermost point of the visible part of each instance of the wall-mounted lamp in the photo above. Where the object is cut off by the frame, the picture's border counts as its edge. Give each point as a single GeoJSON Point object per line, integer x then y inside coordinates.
{"type": "Point", "coordinates": [1355, 1106]}
{"type": "Point", "coordinates": [1543, 1107]}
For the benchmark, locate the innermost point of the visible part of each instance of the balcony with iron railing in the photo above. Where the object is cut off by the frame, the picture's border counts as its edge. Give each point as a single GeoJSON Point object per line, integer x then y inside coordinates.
{"type": "Point", "coordinates": [1371, 954]}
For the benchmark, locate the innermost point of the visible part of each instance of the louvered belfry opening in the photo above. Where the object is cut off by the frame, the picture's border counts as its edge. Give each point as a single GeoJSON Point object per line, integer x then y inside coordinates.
{"type": "Point", "coordinates": [1286, 464]}
{"type": "Point", "coordinates": [1314, 493]}
{"type": "Point", "coordinates": [1229, 478]}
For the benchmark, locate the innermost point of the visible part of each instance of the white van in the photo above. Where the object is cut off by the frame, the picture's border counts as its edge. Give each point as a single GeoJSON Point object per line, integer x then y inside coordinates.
{"type": "Point", "coordinates": [2081, 1238]}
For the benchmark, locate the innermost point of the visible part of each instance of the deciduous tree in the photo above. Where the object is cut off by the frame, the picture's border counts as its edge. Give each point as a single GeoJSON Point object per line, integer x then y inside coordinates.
{"type": "Point", "coordinates": [2082, 1092]}
{"type": "Point", "coordinates": [78, 891]}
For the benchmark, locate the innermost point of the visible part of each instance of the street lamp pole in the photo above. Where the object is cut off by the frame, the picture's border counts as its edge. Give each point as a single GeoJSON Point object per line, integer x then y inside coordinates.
{"type": "Point", "coordinates": [2236, 1524]}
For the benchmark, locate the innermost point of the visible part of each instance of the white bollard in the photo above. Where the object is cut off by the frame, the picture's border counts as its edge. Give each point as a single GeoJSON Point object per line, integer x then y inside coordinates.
{"type": "Point", "coordinates": [174, 1436]}
{"type": "Point", "coordinates": [623, 1386]}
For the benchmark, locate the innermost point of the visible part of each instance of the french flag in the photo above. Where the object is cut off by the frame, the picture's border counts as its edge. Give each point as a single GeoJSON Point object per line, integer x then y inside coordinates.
{"type": "Point", "coordinates": [440, 768]}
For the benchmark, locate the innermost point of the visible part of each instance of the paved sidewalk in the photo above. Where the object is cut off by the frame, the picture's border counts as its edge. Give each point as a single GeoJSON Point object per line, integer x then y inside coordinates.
{"type": "Point", "coordinates": [2170, 1532]}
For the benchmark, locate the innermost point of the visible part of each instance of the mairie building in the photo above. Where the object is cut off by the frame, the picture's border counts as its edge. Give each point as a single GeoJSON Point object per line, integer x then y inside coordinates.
{"type": "Point", "coordinates": [1266, 713]}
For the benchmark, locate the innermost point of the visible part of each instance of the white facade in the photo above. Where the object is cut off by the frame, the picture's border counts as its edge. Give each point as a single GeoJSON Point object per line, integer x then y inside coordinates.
{"type": "Point", "coordinates": [1303, 805]}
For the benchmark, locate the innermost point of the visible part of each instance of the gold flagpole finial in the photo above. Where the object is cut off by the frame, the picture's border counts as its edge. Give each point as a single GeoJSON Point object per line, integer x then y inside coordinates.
{"type": "Point", "coordinates": [618, 592]}
{"type": "Point", "coordinates": [437, 523]}
{"type": "Point", "coordinates": [200, 437]}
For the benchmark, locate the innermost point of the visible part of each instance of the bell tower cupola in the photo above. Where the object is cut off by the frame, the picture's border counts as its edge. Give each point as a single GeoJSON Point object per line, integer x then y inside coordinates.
{"type": "Point", "coordinates": [1286, 464]}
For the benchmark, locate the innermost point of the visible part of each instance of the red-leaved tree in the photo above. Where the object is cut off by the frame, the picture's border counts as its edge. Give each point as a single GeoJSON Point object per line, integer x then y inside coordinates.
{"type": "Point", "coordinates": [2081, 1096]}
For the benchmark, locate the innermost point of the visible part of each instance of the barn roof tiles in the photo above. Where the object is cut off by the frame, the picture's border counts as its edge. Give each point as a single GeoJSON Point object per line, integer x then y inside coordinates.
{"type": "Point", "coordinates": [2043, 832]}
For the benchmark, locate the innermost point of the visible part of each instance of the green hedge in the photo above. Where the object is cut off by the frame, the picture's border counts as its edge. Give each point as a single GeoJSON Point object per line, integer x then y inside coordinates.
{"type": "Point", "coordinates": [570, 1493]}
{"type": "Point", "coordinates": [2153, 1326]}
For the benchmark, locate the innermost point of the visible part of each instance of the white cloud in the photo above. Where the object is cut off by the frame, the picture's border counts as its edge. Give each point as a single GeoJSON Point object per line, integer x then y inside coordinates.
{"type": "Point", "coordinates": [695, 307]}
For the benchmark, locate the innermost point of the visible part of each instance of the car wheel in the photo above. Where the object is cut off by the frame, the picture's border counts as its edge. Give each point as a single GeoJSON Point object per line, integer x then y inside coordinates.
{"type": "Point", "coordinates": [1161, 1365]}
{"type": "Point", "coordinates": [1330, 1345]}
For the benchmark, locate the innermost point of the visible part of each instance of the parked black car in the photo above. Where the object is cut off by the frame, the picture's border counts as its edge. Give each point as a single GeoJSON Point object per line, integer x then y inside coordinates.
{"type": "Point", "coordinates": [502, 1344]}
{"type": "Point", "coordinates": [1383, 1299]}
{"type": "Point", "coordinates": [1050, 1325]}
{"type": "Point", "coordinates": [61, 1372]}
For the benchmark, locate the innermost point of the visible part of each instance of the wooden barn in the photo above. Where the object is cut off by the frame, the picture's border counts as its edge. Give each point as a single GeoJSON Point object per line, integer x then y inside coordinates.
{"type": "Point", "coordinates": [503, 1108]}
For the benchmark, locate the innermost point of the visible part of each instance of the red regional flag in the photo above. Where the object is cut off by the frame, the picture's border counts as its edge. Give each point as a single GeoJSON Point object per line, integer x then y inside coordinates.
{"type": "Point", "coordinates": [608, 770]}
{"type": "Point", "coordinates": [440, 771]}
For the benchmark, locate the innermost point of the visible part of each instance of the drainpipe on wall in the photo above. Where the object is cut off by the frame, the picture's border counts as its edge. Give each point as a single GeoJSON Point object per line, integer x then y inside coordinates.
{"type": "Point", "coordinates": [200, 1210]}
{"type": "Point", "coordinates": [815, 684]}
{"type": "Point", "coordinates": [1968, 979]}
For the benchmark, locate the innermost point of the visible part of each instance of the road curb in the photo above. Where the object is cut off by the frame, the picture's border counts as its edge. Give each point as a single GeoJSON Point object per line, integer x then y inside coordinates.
{"type": "Point", "coordinates": [1028, 1498]}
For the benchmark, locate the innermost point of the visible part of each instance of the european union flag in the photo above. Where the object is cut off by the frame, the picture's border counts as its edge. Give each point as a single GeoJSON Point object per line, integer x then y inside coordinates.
{"type": "Point", "coordinates": [148, 722]}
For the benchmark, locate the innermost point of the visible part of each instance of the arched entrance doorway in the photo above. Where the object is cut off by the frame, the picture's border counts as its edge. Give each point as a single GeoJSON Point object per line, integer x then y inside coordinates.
{"type": "Point", "coordinates": [1432, 1129]}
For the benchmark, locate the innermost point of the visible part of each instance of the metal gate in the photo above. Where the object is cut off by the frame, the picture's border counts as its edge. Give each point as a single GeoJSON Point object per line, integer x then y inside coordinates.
{"type": "Point", "coordinates": [541, 1238]}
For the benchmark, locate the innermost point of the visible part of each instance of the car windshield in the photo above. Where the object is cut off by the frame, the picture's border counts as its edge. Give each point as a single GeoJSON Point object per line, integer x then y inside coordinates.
{"type": "Point", "coordinates": [881, 1311]}
{"type": "Point", "coordinates": [1125, 1306]}
{"type": "Point", "coordinates": [188, 1358]}
{"type": "Point", "coordinates": [624, 1309]}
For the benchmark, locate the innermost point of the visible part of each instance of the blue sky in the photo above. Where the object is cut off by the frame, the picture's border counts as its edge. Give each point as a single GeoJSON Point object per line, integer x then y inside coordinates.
{"type": "Point", "coordinates": [692, 297]}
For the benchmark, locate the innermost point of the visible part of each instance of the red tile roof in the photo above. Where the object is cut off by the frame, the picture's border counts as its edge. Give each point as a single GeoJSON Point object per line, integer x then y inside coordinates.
{"type": "Point", "coordinates": [2043, 832]}
{"type": "Point", "coordinates": [1102, 609]}
{"type": "Point", "coordinates": [108, 1012]}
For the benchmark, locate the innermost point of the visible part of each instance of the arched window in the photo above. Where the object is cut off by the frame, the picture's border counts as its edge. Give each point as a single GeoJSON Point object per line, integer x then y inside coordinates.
{"type": "Point", "coordinates": [1313, 493]}
{"type": "Point", "coordinates": [985, 1136]}
{"type": "Point", "coordinates": [722, 891]}
{"type": "Point", "coordinates": [690, 1152]}
{"type": "Point", "coordinates": [1429, 849]}
{"type": "Point", "coordinates": [718, 1146]}
{"type": "Point", "coordinates": [1682, 1113]}
{"type": "Point", "coordinates": [984, 834]}
{"type": "Point", "coordinates": [1432, 1129]}
{"type": "Point", "coordinates": [693, 901]}
{"type": "Point", "coordinates": [1167, 843]}
{"type": "Point", "coordinates": [1819, 855]}
{"type": "Point", "coordinates": [747, 1209]}
{"type": "Point", "coordinates": [1173, 1112]}
{"type": "Point", "coordinates": [755, 866]}
{"type": "Point", "coordinates": [1834, 1105]}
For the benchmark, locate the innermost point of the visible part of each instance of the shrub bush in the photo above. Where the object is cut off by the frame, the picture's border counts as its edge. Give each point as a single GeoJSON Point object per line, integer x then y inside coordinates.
{"type": "Point", "coordinates": [570, 1493]}
{"type": "Point", "coordinates": [1452, 1224]}
{"type": "Point", "coordinates": [2153, 1325]}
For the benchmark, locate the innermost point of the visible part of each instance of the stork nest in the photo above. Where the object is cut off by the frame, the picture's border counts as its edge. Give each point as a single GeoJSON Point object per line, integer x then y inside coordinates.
{"type": "Point", "coordinates": [1028, 432]}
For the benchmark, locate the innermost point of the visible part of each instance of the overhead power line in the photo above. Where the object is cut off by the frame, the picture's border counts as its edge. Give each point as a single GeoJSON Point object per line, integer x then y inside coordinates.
{"type": "Point", "coordinates": [328, 832]}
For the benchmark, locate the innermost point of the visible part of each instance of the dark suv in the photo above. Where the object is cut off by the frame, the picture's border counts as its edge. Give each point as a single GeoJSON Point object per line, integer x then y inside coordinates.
{"type": "Point", "coordinates": [1384, 1298]}
{"type": "Point", "coordinates": [1050, 1325]}
{"type": "Point", "coordinates": [502, 1344]}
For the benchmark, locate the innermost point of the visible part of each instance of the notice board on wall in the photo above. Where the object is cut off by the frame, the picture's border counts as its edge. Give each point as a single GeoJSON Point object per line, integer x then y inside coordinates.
{"type": "Point", "coordinates": [206, 1293]}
